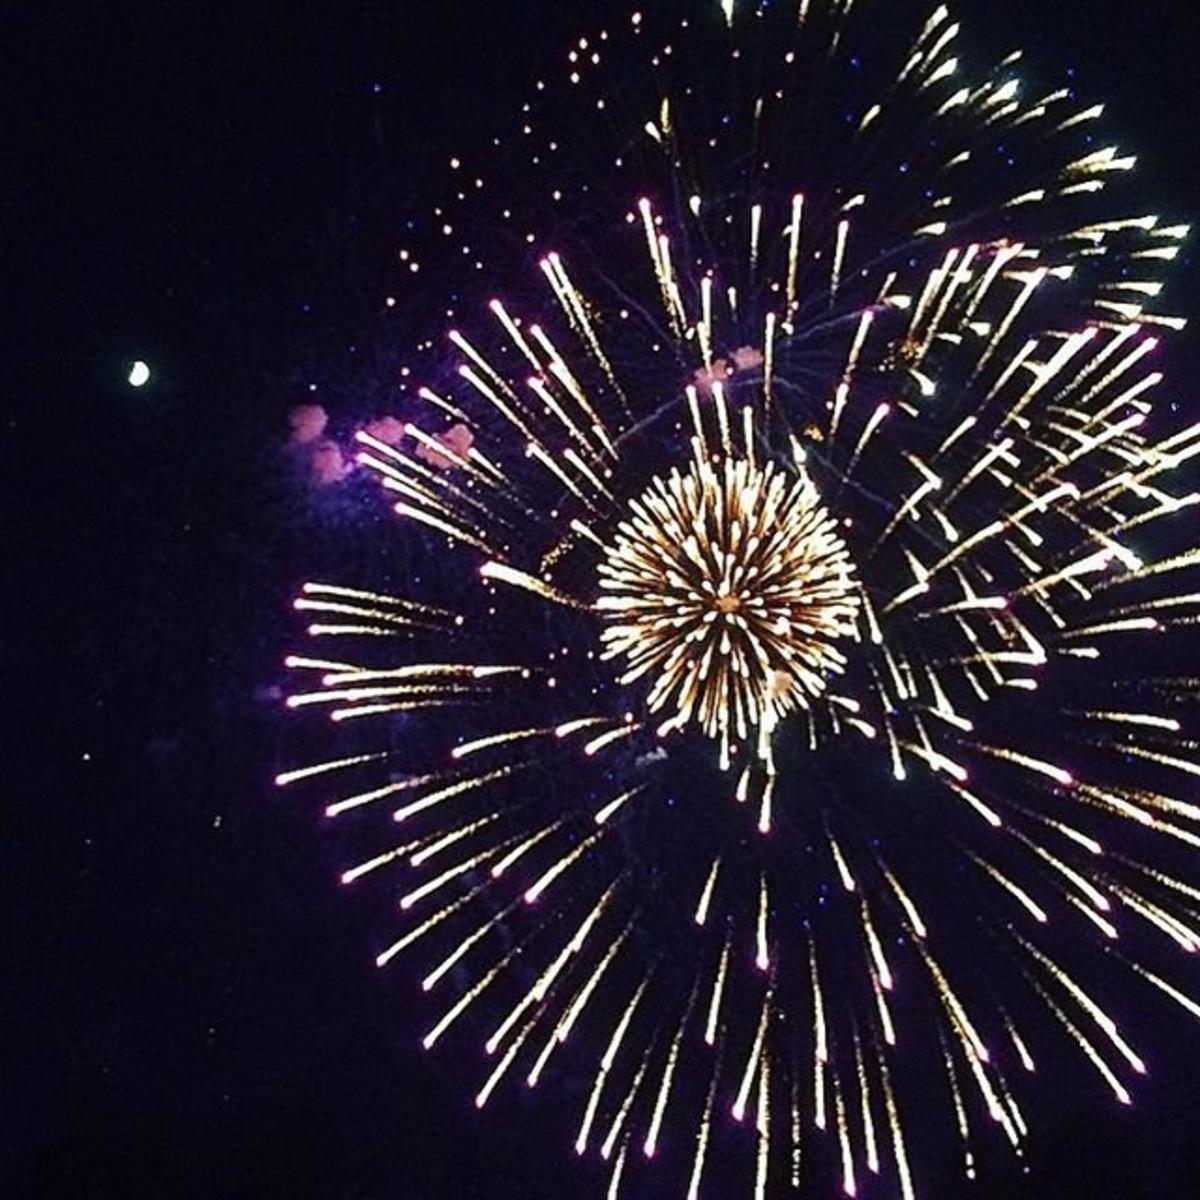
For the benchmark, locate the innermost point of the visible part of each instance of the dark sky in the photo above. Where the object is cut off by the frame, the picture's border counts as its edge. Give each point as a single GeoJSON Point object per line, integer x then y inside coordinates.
{"type": "Point", "coordinates": [188, 1008]}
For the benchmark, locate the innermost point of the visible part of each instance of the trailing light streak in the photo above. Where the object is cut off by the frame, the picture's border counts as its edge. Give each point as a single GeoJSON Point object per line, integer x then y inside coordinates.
{"type": "Point", "coordinates": [650, 1146]}
{"type": "Point", "coordinates": [753, 1062]}
{"type": "Point", "coordinates": [714, 1004]}
{"type": "Point", "coordinates": [702, 1138]}
{"type": "Point", "coordinates": [706, 895]}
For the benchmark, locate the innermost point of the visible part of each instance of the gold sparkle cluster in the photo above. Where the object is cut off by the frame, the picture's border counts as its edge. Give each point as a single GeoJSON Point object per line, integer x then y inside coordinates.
{"type": "Point", "coordinates": [731, 586]}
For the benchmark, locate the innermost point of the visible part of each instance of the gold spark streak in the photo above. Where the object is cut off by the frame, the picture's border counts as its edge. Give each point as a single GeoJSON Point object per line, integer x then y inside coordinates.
{"type": "Point", "coordinates": [1024, 760]}
{"type": "Point", "coordinates": [839, 256]}
{"type": "Point", "coordinates": [768, 359]}
{"type": "Point", "coordinates": [355, 696]}
{"type": "Point", "coordinates": [296, 663]}
{"type": "Point", "coordinates": [623, 1112]}
{"type": "Point", "coordinates": [959, 1019]}
{"type": "Point", "coordinates": [702, 1136]}
{"type": "Point", "coordinates": [1089, 889]}
{"type": "Point", "coordinates": [546, 981]}
{"type": "Point", "coordinates": [567, 1023]}
{"type": "Point", "coordinates": [885, 1015]}
{"type": "Point", "coordinates": [463, 948]}
{"type": "Point", "coordinates": [465, 1001]}
{"type": "Point", "coordinates": [849, 1184]}
{"type": "Point", "coordinates": [570, 727]}
{"type": "Point", "coordinates": [1015, 890]}
{"type": "Point", "coordinates": [794, 230]}
{"type": "Point", "coordinates": [378, 793]}
{"type": "Point", "coordinates": [874, 421]}
{"type": "Point", "coordinates": [1187, 940]}
{"type": "Point", "coordinates": [437, 447]}
{"type": "Point", "coordinates": [819, 1071]}
{"type": "Point", "coordinates": [482, 363]}
{"type": "Point", "coordinates": [617, 803]}
{"type": "Point", "coordinates": [521, 579]}
{"type": "Point", "coordinates": [1180, 998]}
{"type": "Point", "coordinates": [876, 948]}
{"type": "Point", "coordinates": [907, 1191]}
{"type": "Point", "coordinates": [606, 1063]}
{"type": "Point", "coordinates": [989, 814]}
{"type": "Point", "coordinates": [868, 1118]}
{"type": "Point", "coordinates": [820, 1033]}
{"type": "Point", "coordinates": [1022, 1050]}
{"type": "Point", "coordinates": [960, 1112]}
{"type": "Point", "coordinates": [506, 1060]}
{"type": "Point", "coordinates": [1166, 760]}
{"type": "Point", "coordinates": [1106, 1023]}
{"type": "Point", "coordinates": [650, 1145]}
{"type": "Point", "coordinates": [572, 303]}
{"type": "Point", "coordinates": [533, 893]}
{"type": "Point", "coordinates": [763, 1126]}
{"type": "Point", "coordinates": [762, 958]}
{"type": "Point", "coordinates": [449, 528]}
{"type": "Point", "coordinates": [714, 1005]}
{"type": "Point", "coordinates": [425, 927]}
{"type": "Point", "coordinates": [396, 466]}
{"type": "Point", "coordinates": [562, 372]}
{"type": "Point", "coordinates": [614, 1184]}
{"type": "Point", "coordinates": [647, 212]}
{"type": "Point", "coordinates": [562, 1029]}
{"type": "Point", "coordinates": [380, 860]}
{"type": "Point", "coordinates": [797, 1147]}
{"type": "Point", "coordinates": [514, 333]}
{"type": "Point", "coordinates": [1093, 1055]}
{"type": "Point", "coordinates": [764, 811]}
{"type": "Point", "coordinates": [329, 589]}
{"type": "Point", "coordinates": [546, 396]}
{"type": "Point", "coordinates": [1032, 281]}
{"type": "Point", "coordinates": [337, 764]}
{"type": "Point", "coordinates": [430, 849]}
{"type": "Point", "coordinates": [523, 847]}
{"type": "Point", "coordinates": [842, 868]}
{"type": "Point", "coordinates": [1106, 927]}
{"type": "Point", "coordinates": [707, 894]}
{"type": "Point", "coordinates": [442, 403]}
{"type": "Point", "coordinates": [451, 873]}
{"type": "Point", "coordinates": [752, 1063]}
{"type": "Point", "coordinates": [434, 798]}
{"type": "Point", "coordinates": [613, 735]}
{"type": "Point", "coordinates": [748, 434]}
{"type": "Point", "coordinates": [497, 739]}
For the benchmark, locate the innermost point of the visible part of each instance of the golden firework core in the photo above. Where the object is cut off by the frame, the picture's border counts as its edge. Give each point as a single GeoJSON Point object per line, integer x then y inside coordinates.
{"type": "Point", "coordinates": [729, 586]}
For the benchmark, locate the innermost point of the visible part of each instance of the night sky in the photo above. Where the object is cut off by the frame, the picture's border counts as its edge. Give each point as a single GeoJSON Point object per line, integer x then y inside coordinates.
{"type": "Point", "coordinates": [189, 1005]}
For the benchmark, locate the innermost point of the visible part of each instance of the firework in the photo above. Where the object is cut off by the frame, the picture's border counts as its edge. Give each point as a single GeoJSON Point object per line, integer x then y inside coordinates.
{"type": "Point", "coordinates": [801, 553]}
{"type": "Point", "coordinates": [732, 585]}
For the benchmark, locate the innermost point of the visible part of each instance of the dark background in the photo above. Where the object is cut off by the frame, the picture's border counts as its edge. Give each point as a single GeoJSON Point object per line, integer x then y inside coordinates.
{"type": "Point", "coordinates": [188, 1003]}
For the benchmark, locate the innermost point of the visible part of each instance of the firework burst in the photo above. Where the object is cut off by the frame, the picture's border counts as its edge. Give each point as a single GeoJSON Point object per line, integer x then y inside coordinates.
{"type": "Point", "coordinates": [844, 456]}
{"type": "Point", "coordinates": [733, 586]}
